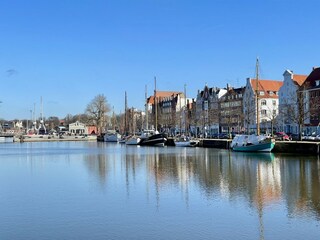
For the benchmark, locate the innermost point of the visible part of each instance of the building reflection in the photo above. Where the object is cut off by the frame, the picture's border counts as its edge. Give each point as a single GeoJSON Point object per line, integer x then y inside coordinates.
{"type": "Point", "coordinates": [261, 179]}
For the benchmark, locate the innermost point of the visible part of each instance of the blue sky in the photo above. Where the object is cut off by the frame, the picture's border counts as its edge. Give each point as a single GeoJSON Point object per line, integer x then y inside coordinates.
{"type": "Point", "coordinates": [70, 51]}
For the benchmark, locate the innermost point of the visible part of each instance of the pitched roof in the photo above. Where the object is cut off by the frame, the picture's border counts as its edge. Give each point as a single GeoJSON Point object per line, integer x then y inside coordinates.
{"type": "Point", "coordinates": [313, 76]}
{"type": "Point", "coordinates": [299, 79]}
{"type": "Point", "coordinates": [162, 94]}
{"type": "Point", "coordinates": [267, 86]}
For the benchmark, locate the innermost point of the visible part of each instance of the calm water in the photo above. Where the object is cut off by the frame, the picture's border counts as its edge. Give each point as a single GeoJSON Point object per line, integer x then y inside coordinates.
{"type": "Point", "coordinates": [81, 190]}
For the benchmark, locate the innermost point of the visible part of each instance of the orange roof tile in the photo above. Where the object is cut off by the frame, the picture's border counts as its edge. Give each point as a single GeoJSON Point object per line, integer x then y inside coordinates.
{"type": "Point", "coordinates": [267, 86]}
{"type": "Point", "coordinates": [299, 79]}
{"type": "Point", "coordinates": [162, 94]}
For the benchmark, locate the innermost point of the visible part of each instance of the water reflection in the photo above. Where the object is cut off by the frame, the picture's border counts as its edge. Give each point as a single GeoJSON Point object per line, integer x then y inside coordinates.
{"type": "Point", "coordinates": [261, 179]}
{"type": "Point", "coordinates": [116, 192]}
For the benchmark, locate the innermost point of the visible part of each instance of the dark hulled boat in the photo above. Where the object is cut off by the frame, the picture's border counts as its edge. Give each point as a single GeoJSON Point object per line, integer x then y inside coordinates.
{"type": "Point", "coordinates": [157, 139]}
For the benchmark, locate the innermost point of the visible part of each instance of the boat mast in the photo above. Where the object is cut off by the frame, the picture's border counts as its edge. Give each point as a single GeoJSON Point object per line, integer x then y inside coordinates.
{"type": "Point", "coordinates": [155, 103]}
{"type": "Point", "coordinates": [146, 99]}
{"type": "Point", "coordinates": [185, 109]}
{"type": "Point", "coordinates": [257, 96]}
{"type": "Point", "coordinates": [125, 114]}
{"type": "Point", "coordinates": [113, 119]}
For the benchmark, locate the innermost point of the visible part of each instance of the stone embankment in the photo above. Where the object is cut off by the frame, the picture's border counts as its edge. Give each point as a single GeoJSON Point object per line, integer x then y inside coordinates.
{"type": "Point", "coordinates": [300, 147]}
{"type": "Point", "coordinates": [52, 138]}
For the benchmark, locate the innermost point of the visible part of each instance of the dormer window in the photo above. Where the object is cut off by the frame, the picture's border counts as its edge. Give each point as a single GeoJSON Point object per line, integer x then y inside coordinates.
{"type": "Point", "coordinates": [261, 93]}
{"type": "Point", "coordinates": [271, 93]}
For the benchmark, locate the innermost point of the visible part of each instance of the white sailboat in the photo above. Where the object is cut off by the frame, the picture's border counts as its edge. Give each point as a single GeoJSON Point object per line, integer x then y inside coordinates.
{"type": "Point", "coordinates": [112, 135]}
{"type": "Point", "coordinates": [185, 141]}
{"type": "Point", "coordinates": [253, 143]}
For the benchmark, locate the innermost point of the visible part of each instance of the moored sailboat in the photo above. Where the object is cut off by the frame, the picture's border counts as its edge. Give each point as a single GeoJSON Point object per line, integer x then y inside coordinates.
{"type": "Point", "coordinates": [152, 138]}
{"type": "Point", "coordinates": [258, 142]}
{"type": "Point", "coordinates": [185, 142]}
{"type": "Point", "coordinates": [252, 143]}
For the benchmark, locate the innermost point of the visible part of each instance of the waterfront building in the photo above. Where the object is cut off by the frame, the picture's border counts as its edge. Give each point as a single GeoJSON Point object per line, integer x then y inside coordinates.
{"type": "Point", "coordinates": [310, 102]}
{"type": "Point", "coordinates": [288, 119]}
{"type": "Point", "coordinates": [78, 128]}
{"type": "Point", "coordinates": [206, 118]}
{"type": "Point", "coordinates": [231, 110]}
{"type": "Point", "coordinates": [268, 102]}
{"type": "Point", "coordinates": [135, 121]}
{"type": "Point", "coordinates": [167, 111]}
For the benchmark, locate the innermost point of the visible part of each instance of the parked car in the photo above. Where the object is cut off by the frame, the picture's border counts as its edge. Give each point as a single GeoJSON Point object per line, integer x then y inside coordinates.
{"type": "Point", "coordinates": [317, 138]}
{"type": "Point", "coordinates": [224, 136]}
{"type": "Point", "coordinates": [294, 137]}
{"type": "Point", "coordinates": [281, 136]}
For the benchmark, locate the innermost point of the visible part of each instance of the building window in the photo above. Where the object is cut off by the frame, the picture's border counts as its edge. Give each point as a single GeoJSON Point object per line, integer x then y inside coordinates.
{"type": "Point", "coordinates": [274, 102]}
{"type": "Point", "coordinates": [263, 102]}
{"type": "Point", "coordinates": [317, 83]}
{"type": "Point", "coordinates": [263, 112]}
{"type": "Point", "coordinates": [261, 93]}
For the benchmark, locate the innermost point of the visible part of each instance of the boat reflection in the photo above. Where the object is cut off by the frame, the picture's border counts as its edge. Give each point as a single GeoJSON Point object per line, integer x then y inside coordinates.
{"type": "Point", "coordinates": [262, 179]}
{"type": "Point", "coordinates": [264, 156]}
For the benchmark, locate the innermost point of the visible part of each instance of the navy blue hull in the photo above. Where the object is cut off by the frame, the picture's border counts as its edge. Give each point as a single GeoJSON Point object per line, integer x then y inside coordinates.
{"type": "Point", "coordinates": [154, 140]}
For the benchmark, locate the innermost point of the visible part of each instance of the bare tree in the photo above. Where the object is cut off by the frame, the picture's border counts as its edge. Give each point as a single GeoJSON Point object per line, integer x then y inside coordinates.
{"type": "Point", "coordinates": [97, 111]}
{"type": "Point", "coordinates": [52, 122]}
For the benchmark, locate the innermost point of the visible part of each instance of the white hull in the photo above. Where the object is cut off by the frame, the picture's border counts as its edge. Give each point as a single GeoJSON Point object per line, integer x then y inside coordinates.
{"type": "Point", "coordinates": [133, 141]}
{"type": "Point", "coordinates": [189, 143]}
{"type": "Point", "coordinates": [6, 139]}
{"type": "Point", "coordinates": [112, 137]}
{"type": "Point", "coordinates": [252, 143]}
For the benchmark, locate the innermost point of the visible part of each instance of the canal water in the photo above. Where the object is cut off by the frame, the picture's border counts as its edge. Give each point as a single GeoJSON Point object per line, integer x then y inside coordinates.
{"type": "Point", "coordinates": [93, 190]}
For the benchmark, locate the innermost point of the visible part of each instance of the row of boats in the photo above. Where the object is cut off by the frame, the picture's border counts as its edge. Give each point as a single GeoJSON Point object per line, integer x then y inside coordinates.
{"type": "Point", "coordinates": [149, 138]}
{"type": "Point", "coordinates": [240, 143]}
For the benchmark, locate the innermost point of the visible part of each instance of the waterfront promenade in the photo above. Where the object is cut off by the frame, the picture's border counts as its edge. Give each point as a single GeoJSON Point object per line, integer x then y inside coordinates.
{"type": "Point", "coordinates": [52, 138]}
{"type": "Point", "coordinates": [301, 147]}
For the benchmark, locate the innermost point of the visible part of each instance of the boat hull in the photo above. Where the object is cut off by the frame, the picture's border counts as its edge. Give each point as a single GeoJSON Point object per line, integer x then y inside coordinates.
{"type": "Point", "coordinates": [252, 143]}
{"type": "Point", "coordinates": [186, 143]}
{"type": "Point", "coordinates": [133, 141]}
{"type": "Point", "coordinates": [263, 147]}
{"type": "Point", "coordinates": [154, 140]}
{"type": "Point", "coordinates": [112, 137]}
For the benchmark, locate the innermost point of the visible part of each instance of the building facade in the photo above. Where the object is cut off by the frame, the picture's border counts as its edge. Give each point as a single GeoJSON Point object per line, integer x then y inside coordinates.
{"type": "Point", "coordinates": [78, 128]}
{"type": "Point", "coordinates": [288, 102]}
{"type": "Point", "coordinates": [206, 118]}
{"type": "Point", "coordinates": [231, 110]}
{"type": "Point", "coordinates": [310, 102]}
{"type": "Point", "coordinates": [260, 105]}
{"type": "Point", "coordinates": [167, 112]}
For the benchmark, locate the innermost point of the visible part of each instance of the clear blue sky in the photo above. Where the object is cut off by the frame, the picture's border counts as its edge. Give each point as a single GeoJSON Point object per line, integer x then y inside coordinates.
{"type": "Point", "coordinates": [70, 51]}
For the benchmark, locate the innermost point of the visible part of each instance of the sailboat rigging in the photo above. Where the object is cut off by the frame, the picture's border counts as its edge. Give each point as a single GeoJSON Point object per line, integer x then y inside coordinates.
{"type": "Point", "coordinates": [153, 137]}
{"type": "Point", "coordinates": [258, 142]}
{"type": "Point", "coordinates": [257, 96]}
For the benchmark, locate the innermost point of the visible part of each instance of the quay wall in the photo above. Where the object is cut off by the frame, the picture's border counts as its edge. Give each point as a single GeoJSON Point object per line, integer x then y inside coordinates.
{"type": "Point", "coordinates": [297, 147]}
{"type": "Point", "coordinates": [49, 138]}
{"type": "Point", "coordinates": [301, 147]}
{"type": "Point", "coordinates": [215, 143]}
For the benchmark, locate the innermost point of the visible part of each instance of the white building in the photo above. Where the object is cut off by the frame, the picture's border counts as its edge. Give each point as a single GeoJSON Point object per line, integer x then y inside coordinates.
{"type": "Point", "coordinates": [288, 101]}
{"type": "Point", "coordinates": [78, 128]}
{"type": "Point", "coordinates": [268, 102]}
